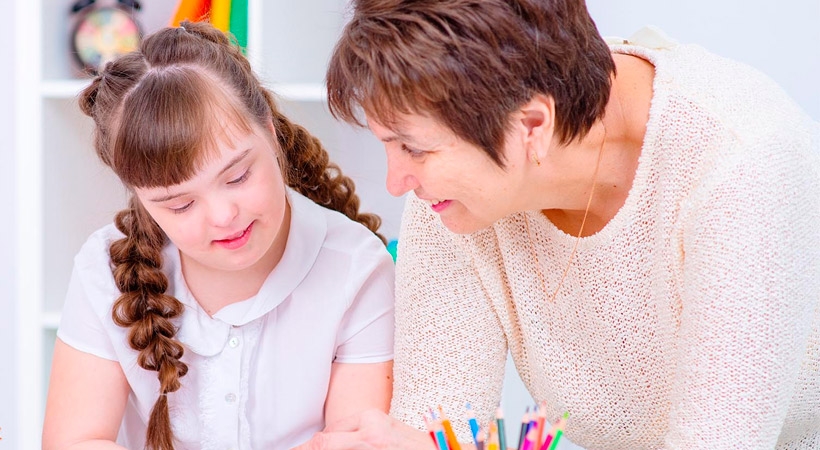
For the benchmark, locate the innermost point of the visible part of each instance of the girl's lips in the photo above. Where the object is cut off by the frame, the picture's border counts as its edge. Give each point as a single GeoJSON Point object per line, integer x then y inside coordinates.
{"type": "Point", "coordinates": [237, 240]}
{"type": "Point", "coordinates": [441, 206]}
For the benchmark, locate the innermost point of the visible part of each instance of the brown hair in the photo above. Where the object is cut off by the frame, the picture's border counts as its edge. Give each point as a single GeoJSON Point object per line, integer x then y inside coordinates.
{"type": "Point", "coordinates": [158, 111]}
{"type": "Point", "coordinates": [470, 63]}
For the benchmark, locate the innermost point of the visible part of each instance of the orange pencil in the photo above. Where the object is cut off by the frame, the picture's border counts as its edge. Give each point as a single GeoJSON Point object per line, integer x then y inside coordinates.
{"type": "Point", "coordinates": [452, 440]}
{"type": "Point", "coordinates": [542, 417]}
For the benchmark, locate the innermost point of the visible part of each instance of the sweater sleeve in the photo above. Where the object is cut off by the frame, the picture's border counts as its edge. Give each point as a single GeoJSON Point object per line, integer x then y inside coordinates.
{"type": "Point", "coordinates": [450, 348]}
{"type": "Point", "coordinates": [751, 277]}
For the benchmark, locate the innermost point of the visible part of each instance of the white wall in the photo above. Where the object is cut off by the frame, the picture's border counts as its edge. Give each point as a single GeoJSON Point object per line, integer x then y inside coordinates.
{"type": "Point", "coordinates": [7, 283]}
{"type": "Point", "coordinates": [782, 39]}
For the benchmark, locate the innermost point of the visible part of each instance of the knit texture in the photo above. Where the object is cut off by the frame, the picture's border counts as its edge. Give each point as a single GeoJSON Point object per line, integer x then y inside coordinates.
{"type": "Point", "coordinates": [691, 321]}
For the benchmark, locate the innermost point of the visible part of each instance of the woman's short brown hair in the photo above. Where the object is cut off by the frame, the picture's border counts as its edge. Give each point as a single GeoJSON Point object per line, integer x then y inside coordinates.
{"type": "Point", "coordinates": [470, 63]}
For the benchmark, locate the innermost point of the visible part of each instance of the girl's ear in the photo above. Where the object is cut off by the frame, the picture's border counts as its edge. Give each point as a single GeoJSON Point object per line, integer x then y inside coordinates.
{"type": "Point", "coordinates": [277, 148]}
{"type": "Point", "coordinates": [537, 123]}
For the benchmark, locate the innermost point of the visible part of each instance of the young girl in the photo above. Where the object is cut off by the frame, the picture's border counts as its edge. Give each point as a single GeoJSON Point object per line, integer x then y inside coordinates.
{"type": "Point", "coordinates": [222, 309]}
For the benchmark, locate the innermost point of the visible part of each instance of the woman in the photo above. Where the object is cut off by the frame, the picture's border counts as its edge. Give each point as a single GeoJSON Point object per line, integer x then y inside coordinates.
{"type": "Point", "coordinates": [636, 223]}
{"type": "Point", "coordinates": [242, 300]}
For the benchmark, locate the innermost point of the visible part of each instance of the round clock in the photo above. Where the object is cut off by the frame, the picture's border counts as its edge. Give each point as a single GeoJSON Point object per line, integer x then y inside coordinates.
{"type": "Point", "coordinates": [102, 34]}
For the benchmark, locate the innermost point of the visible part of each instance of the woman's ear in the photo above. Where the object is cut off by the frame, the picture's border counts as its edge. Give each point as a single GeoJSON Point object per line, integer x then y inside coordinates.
{"type": "Point", "coordinates": [537, 122]}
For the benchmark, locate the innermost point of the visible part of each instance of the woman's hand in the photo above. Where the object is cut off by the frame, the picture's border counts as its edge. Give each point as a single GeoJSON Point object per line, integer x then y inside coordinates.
{"type": "Point", "coordinates": [369, 430]}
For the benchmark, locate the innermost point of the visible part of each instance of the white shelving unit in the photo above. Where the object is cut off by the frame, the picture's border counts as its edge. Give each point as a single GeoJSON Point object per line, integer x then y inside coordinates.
{"type": "Point", "coordinates": [63, 193]}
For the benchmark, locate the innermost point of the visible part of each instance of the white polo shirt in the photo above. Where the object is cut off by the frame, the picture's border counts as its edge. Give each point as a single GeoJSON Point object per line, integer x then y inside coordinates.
{"type": "Point", "coordinates": [258, 369]}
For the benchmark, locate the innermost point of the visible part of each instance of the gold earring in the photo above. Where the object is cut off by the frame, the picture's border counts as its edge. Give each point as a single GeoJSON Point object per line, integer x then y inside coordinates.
{"type": "Point", "coordinates": [535, 158]}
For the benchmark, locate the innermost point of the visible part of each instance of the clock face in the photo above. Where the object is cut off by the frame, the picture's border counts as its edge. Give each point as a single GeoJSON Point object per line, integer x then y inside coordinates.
{"type": "Point", "coordinates": [103, 34]}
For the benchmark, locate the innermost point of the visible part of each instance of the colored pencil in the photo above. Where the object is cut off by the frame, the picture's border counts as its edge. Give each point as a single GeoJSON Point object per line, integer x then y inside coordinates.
{"type": "Point", "coordinates": [525, 424]}
{"type": "Point", "coordinates": [540, 419]}
{"type": "Point", "coordinates": [479, 440]}
{"type": "Point", "coordinates": [529, 440]}
{"type": "Point", "coordinates": [452, 440]}
{"type": "Point", "coordinates": [492, 438]}
{"type": "Point", "coordinates": [473, 423]}
{"type": "Point", "coordinates": [502, 433]}
{"type": "Point", "coordinates": [562, 422]}
{"type": "Point", "coordinates": [441, 439]}
{"type": "Point", "coordinates": [428, 424]}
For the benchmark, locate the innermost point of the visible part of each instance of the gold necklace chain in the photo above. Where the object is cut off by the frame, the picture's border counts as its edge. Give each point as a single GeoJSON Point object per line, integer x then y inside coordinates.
{"type": "Point", "coordinates": [580, 230]}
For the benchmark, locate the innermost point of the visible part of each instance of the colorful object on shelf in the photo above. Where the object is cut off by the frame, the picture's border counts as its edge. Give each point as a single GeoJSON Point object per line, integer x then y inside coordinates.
{"type": "Point", "coordinates": [221, 14]}
{"type": "Point", "coordinates": [392, 247]}
{"type": "Point", "coordinates": [103, 33]}
{"type": "Point", "coordinates": [239, 21]}
{"type": "Point", "coordinates": [230, 16]}
{"type": "Point", "coordinates": [191, 10]}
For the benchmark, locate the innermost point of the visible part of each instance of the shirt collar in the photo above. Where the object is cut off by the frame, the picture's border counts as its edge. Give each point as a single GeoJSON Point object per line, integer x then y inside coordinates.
{"type": "Point", "coordinates": [206, 335]}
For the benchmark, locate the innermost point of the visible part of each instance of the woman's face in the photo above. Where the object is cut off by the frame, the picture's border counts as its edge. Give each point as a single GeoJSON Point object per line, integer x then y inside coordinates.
{"type": "Point", "coordinates": [228, 215]}
{"type": "Point", "coordinates": [460, 182]}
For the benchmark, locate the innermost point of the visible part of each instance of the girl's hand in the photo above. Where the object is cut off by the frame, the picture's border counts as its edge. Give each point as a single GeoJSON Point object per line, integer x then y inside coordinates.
{"type": "Point", "coordinates": [369, 430]}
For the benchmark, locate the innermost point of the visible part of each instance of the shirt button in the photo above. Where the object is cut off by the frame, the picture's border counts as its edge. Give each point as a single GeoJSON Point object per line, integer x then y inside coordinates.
{"type": "Point", "coordinates": [234, 342]}
{"type": "Point", "coordinates": [230, 398]}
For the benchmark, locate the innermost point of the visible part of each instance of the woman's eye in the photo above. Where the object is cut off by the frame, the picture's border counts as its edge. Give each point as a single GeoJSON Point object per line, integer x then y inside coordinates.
{"type": "Point", "coordinates": [182, 208]}
{"type": "Point", "coordinates": [412, 151]}
{"type": "Point", "coordinates": [242, 178]}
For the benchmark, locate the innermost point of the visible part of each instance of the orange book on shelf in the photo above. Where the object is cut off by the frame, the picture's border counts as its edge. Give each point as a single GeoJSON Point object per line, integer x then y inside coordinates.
{"type": "Point", "coordinates": [192, 10]}
{"type": "Point", "coordinates": [221, 14]}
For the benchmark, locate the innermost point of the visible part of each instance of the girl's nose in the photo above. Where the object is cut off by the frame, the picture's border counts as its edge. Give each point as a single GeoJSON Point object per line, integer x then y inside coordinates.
{"type": "Point", "coordinates": [222, 212]}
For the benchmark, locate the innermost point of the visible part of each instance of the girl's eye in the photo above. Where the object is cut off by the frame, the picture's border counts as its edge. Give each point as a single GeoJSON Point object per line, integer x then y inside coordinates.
{"type": "Point", "coordinates": [242, 178]}
{"type": "Point", "coordinates": [183, 208]}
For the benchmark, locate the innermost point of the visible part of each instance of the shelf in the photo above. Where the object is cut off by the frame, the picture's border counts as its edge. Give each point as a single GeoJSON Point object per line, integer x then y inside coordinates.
{"type": "Point", "coordinates": [299, 92]}
{"type": "Point", "coordinates": [51, 320]}
{"type": "Point", "coordinates": [62, 88]}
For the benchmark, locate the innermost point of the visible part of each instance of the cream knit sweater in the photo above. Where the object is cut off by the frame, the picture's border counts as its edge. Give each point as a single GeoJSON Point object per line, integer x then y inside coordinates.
{"type": "Point", "coordinates": [691, 321]}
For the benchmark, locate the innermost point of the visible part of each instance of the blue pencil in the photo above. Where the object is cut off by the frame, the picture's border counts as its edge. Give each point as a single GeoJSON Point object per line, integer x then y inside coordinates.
{"type": "Point", "coordinates": [473, 423]}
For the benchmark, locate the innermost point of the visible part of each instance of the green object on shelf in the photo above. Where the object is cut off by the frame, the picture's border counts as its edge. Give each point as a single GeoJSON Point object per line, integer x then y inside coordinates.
{"type": "Point", "coordinates": [392, 247]}
{"type": "Point", "coordinates": [239, 22]}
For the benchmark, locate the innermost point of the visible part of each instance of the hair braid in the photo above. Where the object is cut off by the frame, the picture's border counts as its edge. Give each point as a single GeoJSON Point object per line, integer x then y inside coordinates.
{"type": "Point", "coordinates": [146, 311]}
{"type": "Point", "coordinates": [310, 171]}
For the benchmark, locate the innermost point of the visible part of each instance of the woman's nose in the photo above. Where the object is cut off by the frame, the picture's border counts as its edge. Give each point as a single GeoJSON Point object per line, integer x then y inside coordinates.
{"type": "Point", "coordinates": [400, 176]}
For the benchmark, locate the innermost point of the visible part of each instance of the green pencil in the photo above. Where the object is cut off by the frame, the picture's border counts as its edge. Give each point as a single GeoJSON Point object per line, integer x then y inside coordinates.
{"type": "Point", "coordinates": [559, 431]}
{"type": "Point", "coordinates": [502, 434]}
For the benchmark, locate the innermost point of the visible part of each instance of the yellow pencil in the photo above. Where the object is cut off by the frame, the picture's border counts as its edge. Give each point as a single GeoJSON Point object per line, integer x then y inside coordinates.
{"type": "Point", "coordinates": [492, 439]}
